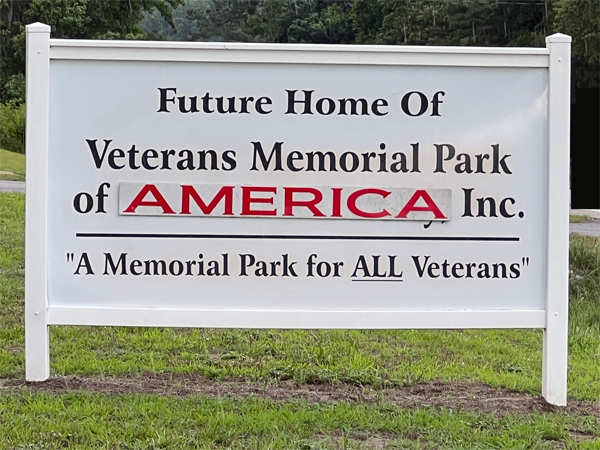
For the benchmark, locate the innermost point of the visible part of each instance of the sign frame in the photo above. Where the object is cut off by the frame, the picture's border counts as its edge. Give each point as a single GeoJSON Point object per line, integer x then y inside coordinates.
{"type": "Point", "coordinates": [39, 315]}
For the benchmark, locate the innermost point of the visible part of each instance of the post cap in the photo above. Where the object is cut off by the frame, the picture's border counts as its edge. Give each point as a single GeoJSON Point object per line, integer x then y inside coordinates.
{"type": "Point", "coordinates": [558, 37]}
{"type": "Point", "coordinates": [38, 27]}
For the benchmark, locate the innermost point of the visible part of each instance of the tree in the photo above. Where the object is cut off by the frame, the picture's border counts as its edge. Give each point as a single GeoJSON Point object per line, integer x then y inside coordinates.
{"type": "Point", "coordinates": [460, 22]}
{"type": "Point", "coordinates": [330, 25]}
{"type": "Point", "coordinates": [222, 20]}
{"type": "Point", "coordinates": [75, 19]}
{"type": "Point", "coordinates": [581, 20]}
{"type": "Point", "coordinates": [314, 21]}
{"type": "Point", "coordinates": [273, 18]}
{"type": "Point", "coordinates": [157, 28]}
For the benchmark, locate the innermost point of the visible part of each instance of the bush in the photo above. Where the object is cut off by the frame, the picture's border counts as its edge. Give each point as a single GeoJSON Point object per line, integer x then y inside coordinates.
{"type": "Point", "coordinates": [13, 91]}
{"type": "Point", "coordinates": [584, 284]}
{"type": "Point", "coordinates": [12, 127]}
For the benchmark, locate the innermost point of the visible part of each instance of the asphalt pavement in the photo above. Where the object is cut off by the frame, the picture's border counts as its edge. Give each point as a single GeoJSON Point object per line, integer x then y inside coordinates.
{"type": "Point", "coordinates": [12, 186]}
{"type": "Point", "coordinates": [591, 228]}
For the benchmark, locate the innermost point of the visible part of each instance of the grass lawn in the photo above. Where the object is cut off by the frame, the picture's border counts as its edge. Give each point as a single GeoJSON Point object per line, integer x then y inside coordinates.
{"type": "Point", "coordinates": [14, 163]}
{"type": "Point", "coordinates": [134, 421]}
{"type": "Point", "coordinates": [575, 218]}
{"type": "Point", "coordinates": [295, 389]}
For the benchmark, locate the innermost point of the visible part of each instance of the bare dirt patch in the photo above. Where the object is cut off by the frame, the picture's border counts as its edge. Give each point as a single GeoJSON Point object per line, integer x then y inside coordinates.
{"type": "Point", "coordinates": [467, 396]}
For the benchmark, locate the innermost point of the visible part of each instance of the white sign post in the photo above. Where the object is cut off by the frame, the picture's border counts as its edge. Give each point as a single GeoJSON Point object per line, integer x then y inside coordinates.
{"type": "Point", "coordinates": [307, 186]}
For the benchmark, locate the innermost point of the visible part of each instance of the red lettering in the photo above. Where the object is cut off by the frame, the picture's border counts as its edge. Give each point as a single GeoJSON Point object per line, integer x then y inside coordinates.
{"type": "Point", "coordinates": [159, 200]}
{"type": "Point", "coordinates": [247, 201]}
{"type": "Point", "coordinates": [290, 203]}
{"type": "Point", "coordinates": [336, 207]}
{"type": "Point", "coordinates": [410, 205]}
{"type": "Point", "coordinates": [226, 192]}
{"type": "Point", "coordinates": [352, 198]}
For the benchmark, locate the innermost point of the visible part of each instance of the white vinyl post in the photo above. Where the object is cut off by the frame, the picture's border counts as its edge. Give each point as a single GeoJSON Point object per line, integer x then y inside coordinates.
{"type": "Point", "coordinates": [555, 353]}
{"type": "Point", "coordinates": [37, 350]}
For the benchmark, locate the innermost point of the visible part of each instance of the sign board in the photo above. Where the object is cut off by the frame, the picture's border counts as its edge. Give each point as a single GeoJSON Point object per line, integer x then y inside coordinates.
{"type": "Point", "coordinates": [238, 185]}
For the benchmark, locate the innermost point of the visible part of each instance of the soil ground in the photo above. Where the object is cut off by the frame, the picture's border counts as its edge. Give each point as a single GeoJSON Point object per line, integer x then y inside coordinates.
{"type": "Point", "coordinates": [468, 396]}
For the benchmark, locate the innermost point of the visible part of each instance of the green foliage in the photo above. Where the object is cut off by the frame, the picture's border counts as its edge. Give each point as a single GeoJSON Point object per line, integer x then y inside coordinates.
{"type": "Point", "coordinates": [12, 127]}
{"type": "Point", "coordinates": [309, 21]}
{"type": "Point", "coordinates": [581, 20]}
{"type": "Point", "coordinates": [332, 25]}
{"type": "Point", "coordinates": [432, 22]}
{"type": "Point", "coordinates": [439, 22]}
{"type": "Point", "coordinates": [394, 22]}
{"type": "Point", "coordinates": [157, 27]}
{"type": "Point", "coordinates": [399, 22]}
{"type": "Point", "coordinates": [274, 17]}
{"type": "Point", "coordinates": [584, 305]}
{"type": "Point", "coordinates": [13, 93]}
{"type": "Point", "coordinates": [221, 20]}
{"type": "Point", "coordinates": [585, 284]}
{"type": "Point", "coordinates": [75, 19]}
{"type": "Point", "coordinates": [313, 21]}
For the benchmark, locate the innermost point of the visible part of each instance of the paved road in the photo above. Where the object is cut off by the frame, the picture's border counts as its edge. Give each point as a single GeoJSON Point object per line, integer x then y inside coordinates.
{"type": "Point", "coordinates": [591, 228]}
{"type": "Point", "coordinates": [12, 186]}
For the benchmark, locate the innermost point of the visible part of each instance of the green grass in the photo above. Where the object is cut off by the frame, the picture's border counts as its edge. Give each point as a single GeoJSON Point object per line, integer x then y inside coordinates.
{"type": "Point", "coordinates": [500, 358]}
{"type": "Point", "coordinates": [12, 162]}
{"type": "Point", "coordinates": [575, 218]}
{"type": "Point", "coordinates": [136, 421]}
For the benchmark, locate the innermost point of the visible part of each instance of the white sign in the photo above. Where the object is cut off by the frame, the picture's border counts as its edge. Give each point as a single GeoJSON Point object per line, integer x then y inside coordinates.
{"type": "Point", "coordinates": [161, 169]}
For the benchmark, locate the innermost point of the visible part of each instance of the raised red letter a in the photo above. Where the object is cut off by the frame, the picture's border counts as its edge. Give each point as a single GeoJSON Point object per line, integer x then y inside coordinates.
{"type": "Point", "coordinates": [159, 200]}
{"type": "Point", "coordinates": [410, 205]}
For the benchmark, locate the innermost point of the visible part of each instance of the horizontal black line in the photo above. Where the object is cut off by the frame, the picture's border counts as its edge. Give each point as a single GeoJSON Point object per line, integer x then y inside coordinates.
{"type": "Point", "coordinates": [397, 281]}
{"type": "Point", "coordinates": [297, 237]}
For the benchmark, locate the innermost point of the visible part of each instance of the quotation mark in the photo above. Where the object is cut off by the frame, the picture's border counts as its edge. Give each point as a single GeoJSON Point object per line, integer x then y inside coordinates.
{"type": "Point", "coordinates": [70, 257]}
{"type": "Point", "coordinates": [525, 260]}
